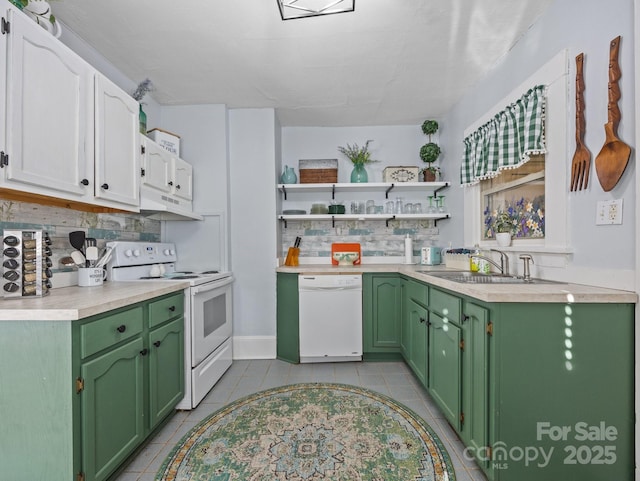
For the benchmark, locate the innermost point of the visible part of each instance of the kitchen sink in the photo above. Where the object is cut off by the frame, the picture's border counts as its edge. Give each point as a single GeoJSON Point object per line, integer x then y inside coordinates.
{"type": "Point", "coordinates": [467, 277]}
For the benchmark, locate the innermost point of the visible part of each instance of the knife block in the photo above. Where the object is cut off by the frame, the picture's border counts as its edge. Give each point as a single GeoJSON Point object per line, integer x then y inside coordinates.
{"type": "Point", "coordinates": [292, 257]}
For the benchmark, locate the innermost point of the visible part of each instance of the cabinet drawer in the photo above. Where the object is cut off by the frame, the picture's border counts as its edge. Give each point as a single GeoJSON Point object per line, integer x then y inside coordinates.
{"type": "Point", "coordinates": [109, 330]}
{"type": "Point", "coordinates": [446, 305]}
{"type": "Point", "coordinates": [164, 309]}
{"type": "Point", "coordinates": [418, 292]}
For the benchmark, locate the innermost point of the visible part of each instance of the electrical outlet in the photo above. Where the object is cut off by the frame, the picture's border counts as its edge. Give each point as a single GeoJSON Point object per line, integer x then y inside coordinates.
{"type": "Point", "coordinates": [609, 212]}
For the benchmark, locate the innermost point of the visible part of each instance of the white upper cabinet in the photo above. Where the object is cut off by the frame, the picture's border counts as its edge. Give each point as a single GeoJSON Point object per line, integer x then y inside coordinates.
{"type": "Point", "coordinates": [164, 172]}
{"type": "Point", "coordinates": [117, 150]}
{"type": "Point", "coordinates": [183, 179]}
{"type": "Point", "coordinates": [70, 132]}
{"type": "Point", "coordinates": [157, 167]}
{"type": "Point", "coordinates": [49, 111]}
{"type": "Point", "coordinates": [3, 91]}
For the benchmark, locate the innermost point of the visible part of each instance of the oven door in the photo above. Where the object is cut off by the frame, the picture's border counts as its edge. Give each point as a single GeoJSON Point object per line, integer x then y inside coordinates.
{"type": "Point", "coordinates": [211, 317]}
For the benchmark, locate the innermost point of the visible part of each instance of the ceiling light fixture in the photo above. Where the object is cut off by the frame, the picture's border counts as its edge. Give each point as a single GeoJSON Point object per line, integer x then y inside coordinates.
{"type": "Point", "coordinates": [290, 9]}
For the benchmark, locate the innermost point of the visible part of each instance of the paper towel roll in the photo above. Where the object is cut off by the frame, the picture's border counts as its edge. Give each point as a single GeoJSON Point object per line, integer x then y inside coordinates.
{"type": "Point", "coordinates": [408, 250]}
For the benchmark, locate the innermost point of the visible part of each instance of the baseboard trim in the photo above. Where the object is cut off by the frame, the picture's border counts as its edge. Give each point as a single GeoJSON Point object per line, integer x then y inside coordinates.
{"type": "Point", "coordinates": [254, 347]}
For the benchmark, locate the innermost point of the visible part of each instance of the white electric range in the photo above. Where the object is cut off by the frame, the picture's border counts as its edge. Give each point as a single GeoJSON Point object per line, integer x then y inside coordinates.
{"type": "Point", "coordinates": [208, 309]}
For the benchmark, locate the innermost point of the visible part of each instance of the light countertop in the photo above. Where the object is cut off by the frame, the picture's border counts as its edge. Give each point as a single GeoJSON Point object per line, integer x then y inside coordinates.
{"type": "Point", "coordinates": [552, 293]}
{"type": "Point", "coordinates": [72, 303]}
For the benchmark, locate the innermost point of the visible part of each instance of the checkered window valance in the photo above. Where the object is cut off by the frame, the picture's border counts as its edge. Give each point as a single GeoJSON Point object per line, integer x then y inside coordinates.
{"type": "Point", "coordinates": [507, 140]}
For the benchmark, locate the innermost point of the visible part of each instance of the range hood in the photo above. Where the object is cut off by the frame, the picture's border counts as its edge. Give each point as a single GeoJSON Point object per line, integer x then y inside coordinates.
{"type": "Point", "coordinates": [155, 205]}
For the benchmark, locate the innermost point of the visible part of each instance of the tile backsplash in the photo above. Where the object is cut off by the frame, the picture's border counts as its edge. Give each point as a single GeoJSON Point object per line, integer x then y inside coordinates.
{"type": "Point", "coordinates": [58, 222]}
{"type": "Point", "coordinates": [375, 237]}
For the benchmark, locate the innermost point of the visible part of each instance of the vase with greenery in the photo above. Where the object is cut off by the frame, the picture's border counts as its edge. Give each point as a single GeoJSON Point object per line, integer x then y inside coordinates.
{"type": "Point", "coordinates": [141, 90]}
{"type": "Point", "coordinates": [503, 227]}
{"type": "Point", "coordinates": [430, 152]}
{"type": "Point", "coordinates": [359, 156]}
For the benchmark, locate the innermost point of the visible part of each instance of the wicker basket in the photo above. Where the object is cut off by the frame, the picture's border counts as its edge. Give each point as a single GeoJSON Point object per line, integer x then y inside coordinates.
{"type": "Point", "coordinates": [318, 171]}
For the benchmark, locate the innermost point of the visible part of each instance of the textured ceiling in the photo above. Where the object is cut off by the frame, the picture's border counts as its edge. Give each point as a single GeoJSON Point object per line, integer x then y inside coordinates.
{"type": "Point", "coordinates": [390, 62]}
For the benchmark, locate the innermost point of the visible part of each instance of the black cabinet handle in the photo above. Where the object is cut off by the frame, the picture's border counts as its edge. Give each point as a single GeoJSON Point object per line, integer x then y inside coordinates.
{"type": "Point", "coordinates": [157, 343]}
{"type": "Point", "coordinates": [172, 308]}
{"type": "Point", "coordinates": [178, 186]}
{"type": "Point", "coordinates": [144, 351]}
{"type": "Point", "coordinates": [465, 317]}
{"type": "Point", "coordinates": [84, 181]}
{"type": "Point", "coordinates": [105, 186]}
{"type": "Point", "coordinates": [170, 182]}
{"type": "Point", "coordinates": [121, 328]}
{"type": "Point", "coordinates": [422, 319]}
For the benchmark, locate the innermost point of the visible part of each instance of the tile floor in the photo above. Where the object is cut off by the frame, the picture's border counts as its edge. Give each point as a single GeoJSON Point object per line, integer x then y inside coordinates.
{"type": "Point", "coordinates": [393, 379]}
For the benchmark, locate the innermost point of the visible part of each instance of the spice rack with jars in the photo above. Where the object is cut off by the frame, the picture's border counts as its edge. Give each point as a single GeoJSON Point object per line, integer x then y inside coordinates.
{"type": "Point", "coordinates": [26, 263]}
{"type": "Point", "coordinates": [304, 195]}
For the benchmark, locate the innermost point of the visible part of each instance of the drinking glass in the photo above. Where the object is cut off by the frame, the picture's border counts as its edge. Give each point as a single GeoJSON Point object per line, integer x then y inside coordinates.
{"type": "Point", "coordinates": [390, 207]}
{"type": "Point", "coordinates": [417, 208]}
{"type": "Point", "coordinates": [399, 204]}
{"type": "Point", "coordinates": [431, 209]}
{"type": "Point", "coordinates": [441, 208]}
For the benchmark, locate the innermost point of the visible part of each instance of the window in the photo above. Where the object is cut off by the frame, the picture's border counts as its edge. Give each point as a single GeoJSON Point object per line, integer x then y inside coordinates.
{"type": "Point", "coordinates": [519, 193]}
{"type": "Point", "coordinates": [554, 76]}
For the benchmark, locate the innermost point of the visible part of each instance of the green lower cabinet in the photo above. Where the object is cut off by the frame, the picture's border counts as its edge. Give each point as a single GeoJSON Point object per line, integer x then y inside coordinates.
{"type": "Point", "coordinates": [418, 358]}
{"type": "Point", "coordinates": [166, 377]}
{"type": "Point", "coordinates": [88, 392]}
{"type": "Point", "coordinates": [287, 318]}
{"type": "Point", "coordinates": [476, 330]}
{"type": "Point", "coordinates": [381, 312]}
{"type": "Point", "coordinates": [562, 392]}
{"type": "Point", "coordinates": [445, 367]}
{"type": "Point", "coordinates": [112, 404]}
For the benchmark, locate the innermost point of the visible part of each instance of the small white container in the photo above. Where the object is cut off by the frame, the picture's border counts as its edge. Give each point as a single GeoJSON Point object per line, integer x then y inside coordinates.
{"type": "Point", "coordinates": [166, 140]}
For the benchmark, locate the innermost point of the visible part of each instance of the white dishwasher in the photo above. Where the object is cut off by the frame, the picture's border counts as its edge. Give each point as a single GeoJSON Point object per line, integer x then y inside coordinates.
{"type": "Point", "coordinates": [330, 312]}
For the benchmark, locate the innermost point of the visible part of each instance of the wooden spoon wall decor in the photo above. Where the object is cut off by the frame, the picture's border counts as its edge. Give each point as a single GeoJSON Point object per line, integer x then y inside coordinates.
{"type": "Point", "coordinates": [581, 163]}
{"type": "Point", "coordinates": [614, 155]}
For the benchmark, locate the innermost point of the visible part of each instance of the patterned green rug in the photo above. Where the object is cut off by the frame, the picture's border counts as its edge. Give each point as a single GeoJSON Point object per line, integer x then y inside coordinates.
{"type": "Point", "coordinates": [310, 432]}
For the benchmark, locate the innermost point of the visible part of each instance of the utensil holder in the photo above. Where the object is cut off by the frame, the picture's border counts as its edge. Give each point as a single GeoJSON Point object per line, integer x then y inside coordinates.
{"type": "Point", "coordinates": [292, 257]}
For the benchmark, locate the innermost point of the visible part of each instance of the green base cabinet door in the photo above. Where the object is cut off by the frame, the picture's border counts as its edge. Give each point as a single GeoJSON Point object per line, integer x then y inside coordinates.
{"type": "Point", "coordinates": [381, 312]}
{"type": "Point", "coordinates": [166, 376]}
{"type": "Point", "coordinates": [418, 323]}
{"type": "Point", "coordinates": [445, 367]}
{"type": "Point", "coordinates": [287, 318]}
{"type": "Point", "coordinates": [112, 408]}
{"type": "Point", "coordinates": [474, 428]}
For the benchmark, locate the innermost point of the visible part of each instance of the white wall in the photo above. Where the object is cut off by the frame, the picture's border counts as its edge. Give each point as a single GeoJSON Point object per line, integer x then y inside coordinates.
{"type": "Point", "coordinates": [253, 138]}
{"type": "Point", "coordinates": [563, 26]}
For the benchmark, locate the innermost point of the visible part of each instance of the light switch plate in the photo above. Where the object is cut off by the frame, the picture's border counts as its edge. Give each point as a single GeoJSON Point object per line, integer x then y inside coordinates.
{"type": "Point", "coordinates": [609, 212]}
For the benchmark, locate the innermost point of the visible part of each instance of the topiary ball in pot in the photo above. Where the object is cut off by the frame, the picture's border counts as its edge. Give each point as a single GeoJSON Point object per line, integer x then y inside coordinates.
{"type": "Point", "coordinates": [429, 127]}
{"type": "Point", "coordinates": [429, 152]}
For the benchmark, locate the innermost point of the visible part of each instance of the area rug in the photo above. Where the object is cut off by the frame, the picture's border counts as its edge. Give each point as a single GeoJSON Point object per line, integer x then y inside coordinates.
{"type": "Point", "coordinates": [310, 432]}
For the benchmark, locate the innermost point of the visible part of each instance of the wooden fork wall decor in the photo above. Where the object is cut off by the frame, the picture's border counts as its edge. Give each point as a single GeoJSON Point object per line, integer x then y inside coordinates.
{"type": "Point", "coordinates": [581, 163]}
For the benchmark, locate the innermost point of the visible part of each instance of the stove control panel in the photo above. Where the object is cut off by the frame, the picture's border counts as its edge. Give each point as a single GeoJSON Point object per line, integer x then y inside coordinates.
{"type": "Point", "coordinates": [126, 253]}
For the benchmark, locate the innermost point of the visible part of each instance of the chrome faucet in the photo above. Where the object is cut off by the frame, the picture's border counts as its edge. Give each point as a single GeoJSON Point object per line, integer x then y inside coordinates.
{"type": "Point", "coordinates": [504, 261]}
{"type": "Point", "coordinates": [526, 274]}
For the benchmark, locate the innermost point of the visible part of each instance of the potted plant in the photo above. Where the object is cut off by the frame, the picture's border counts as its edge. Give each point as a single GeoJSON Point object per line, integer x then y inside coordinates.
{"type": "Point", "coordinates": [359, 156]}
{"type": "Point", "coordinates": [503, 227]}
{"type": "Point", "coordinates": [430, 152]}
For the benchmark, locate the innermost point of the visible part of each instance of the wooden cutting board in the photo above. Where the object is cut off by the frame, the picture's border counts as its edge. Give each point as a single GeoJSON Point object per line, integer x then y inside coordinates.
{"type": "Point", "coordinates": [346, 247]}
